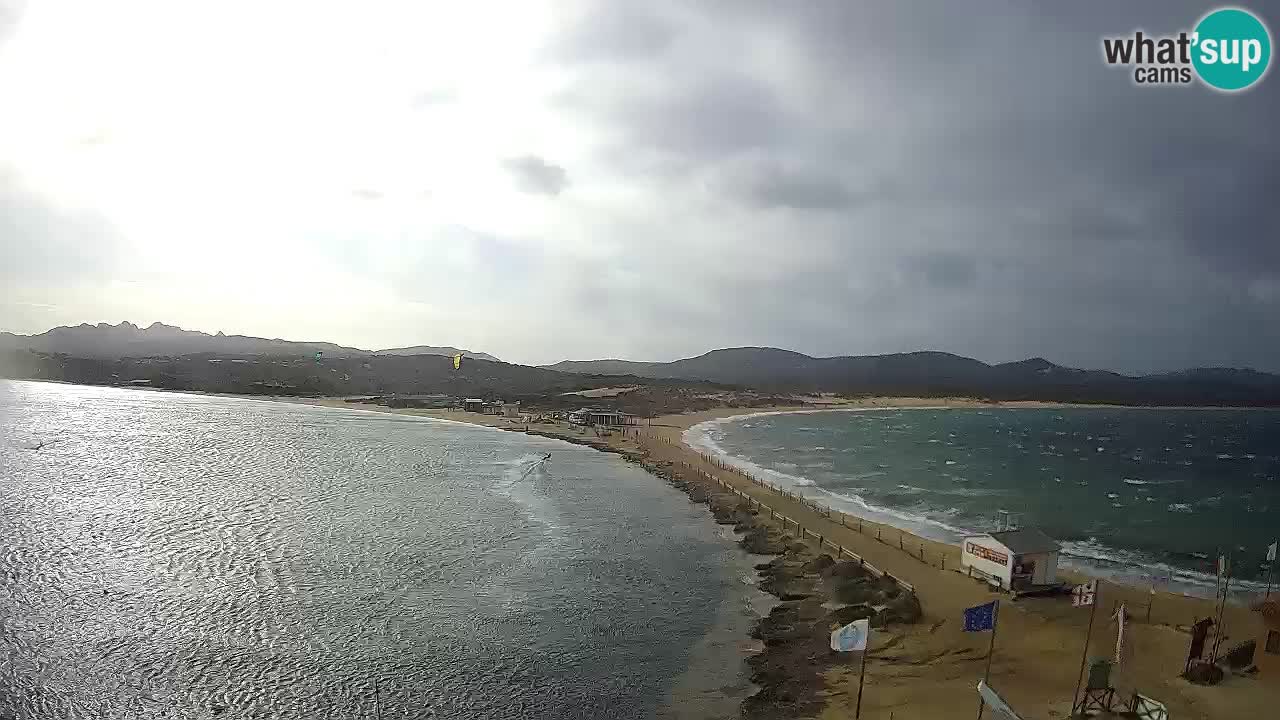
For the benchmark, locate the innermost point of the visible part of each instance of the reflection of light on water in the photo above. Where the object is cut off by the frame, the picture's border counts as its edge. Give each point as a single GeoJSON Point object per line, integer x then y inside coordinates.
{"type": "Point", "coordinates": [288, 554]}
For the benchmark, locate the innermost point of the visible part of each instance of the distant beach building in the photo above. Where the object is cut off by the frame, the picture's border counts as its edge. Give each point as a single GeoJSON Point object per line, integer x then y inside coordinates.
{"type": "Point", "coordinates": [425, 400]}
{"type": "Point", "coordinates": [511, 409]}
{"type": "Point", "coordinates": [1017, 560]}
{"type": "Point", "coordinates": [1267, 654]}
{"type": "Point", "coordinates": [473, 405]}
{"type": "Point", "coordinates": [608, 418]}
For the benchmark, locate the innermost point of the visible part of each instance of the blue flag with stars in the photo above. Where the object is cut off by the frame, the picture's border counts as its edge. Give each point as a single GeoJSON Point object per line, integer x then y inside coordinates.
{"type": "Point", "coordinates": [982, 617]}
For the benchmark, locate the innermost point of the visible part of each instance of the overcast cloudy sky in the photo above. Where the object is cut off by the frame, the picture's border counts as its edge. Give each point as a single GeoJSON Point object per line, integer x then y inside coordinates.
{"type": "Point", "coordinates": [646, 180]}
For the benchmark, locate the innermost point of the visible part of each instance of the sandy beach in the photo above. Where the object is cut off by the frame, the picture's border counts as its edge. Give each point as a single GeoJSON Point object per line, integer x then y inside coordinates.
{"type": "Point", "coordinates": [930, 669]}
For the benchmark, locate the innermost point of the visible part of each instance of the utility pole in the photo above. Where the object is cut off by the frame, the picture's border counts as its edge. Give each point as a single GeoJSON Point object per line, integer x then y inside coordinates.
{"type": "Point", "coordinates": [1222, 608]}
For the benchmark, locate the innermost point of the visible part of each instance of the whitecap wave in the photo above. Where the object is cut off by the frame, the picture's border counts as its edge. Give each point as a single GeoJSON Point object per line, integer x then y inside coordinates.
{"type": "Point", "coordinates": [1136, 568]}
{"type": "Point", "coordinates": [923, 522]}
{"type": "Point", "coordinates": [518, 483]}
{"type": "Point", "coordinates": [1090, 556]}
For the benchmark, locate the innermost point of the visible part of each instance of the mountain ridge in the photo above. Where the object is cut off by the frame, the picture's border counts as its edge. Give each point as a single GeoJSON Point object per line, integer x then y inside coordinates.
{"type": "Point", "coordinates": [169, 356]}
{"type": "Point", "coordinates": [125, 339]}
{"type": "Point", "coordinates": [935, 373]}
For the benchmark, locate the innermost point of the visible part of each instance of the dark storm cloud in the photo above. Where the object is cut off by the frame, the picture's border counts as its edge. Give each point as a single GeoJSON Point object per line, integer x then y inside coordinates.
{"type": "Point", "coordinates": [693, 120]}
{"type": "Point", "coordinates": [771, 186]}
{"type": "Point", "coordinates": [713, 117]}
{"type": "Point", "coordinates": [535, 175]}
{"type": "Point", "coordinates": [614, 31]}
{"type": "Point", "coordinates": [944, 271]}
{"type": "Point", "coordinates": [1041, 203]}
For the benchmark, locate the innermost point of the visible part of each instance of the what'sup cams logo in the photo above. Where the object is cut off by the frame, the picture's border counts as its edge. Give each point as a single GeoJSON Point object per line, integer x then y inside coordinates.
{"type": "Point", "coordinates": [1229, 50]}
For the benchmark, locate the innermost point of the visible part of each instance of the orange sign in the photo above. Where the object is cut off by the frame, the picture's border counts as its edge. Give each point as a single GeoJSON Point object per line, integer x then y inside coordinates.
{"type": "Point", "coordinates": [985, 553]}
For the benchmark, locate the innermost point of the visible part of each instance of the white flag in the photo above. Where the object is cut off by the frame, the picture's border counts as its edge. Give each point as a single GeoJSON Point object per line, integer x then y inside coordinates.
{"type": "Point", "coordinates": [852, 637]}
{"type": "Point", "coordinates": [1082, 595]}
{"type": "Point", "coordinates": [995, 702]}
{"type": "Point", "coordinates": [1271, 552]}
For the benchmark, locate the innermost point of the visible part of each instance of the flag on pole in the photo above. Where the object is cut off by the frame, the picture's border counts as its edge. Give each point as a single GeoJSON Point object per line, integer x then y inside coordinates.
{"type": "Point", "coordinates": [1082, 595]}
{"type": "Point", "coordinates": [995, 702]}
{"type": "Point", "coordinates": [982, 617]}
{"type": "Point", "coordinates": [852, 637]}
{"type": "Point", "coordinates": [1271, 551]}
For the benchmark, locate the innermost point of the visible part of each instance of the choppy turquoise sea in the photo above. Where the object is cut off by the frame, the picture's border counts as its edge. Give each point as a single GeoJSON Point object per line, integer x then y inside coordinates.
{"type": "Point", "coordinates": [1142, 495]}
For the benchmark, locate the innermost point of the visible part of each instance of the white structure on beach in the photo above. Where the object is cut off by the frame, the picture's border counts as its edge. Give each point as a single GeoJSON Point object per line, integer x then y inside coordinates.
{"type": "Point", "coordinates": [1013, 559]}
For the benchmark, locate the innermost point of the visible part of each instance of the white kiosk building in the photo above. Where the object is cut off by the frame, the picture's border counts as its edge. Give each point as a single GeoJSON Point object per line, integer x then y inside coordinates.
{"type": "Point", "coordinates": [1016, 560]}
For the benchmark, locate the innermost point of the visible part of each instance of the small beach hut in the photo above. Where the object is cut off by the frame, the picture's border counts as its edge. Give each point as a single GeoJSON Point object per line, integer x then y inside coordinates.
{"type": "Point", "coordinates": [1267, 654]}
{"type": "Point", "coordinates": [1018, 560]}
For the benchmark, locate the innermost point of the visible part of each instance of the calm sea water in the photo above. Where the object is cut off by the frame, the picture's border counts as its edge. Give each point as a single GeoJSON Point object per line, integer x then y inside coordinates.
{"type": "Point", "coordinates": [210, 557]}
{"type": "Point", "coordinates": [1138, 493]}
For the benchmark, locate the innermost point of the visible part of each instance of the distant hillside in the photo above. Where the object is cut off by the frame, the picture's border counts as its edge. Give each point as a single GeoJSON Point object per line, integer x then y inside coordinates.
{"type": "Point", "coordinates": [160, 340]}
{"type": "Point", "coordinates": [933, 374]}
{"type": "Point", "coordinates": [171, 357]}
{"type": "Point", "coordinates": [430, 350]}
{"type": "Point", "coordinates": [305, 375]}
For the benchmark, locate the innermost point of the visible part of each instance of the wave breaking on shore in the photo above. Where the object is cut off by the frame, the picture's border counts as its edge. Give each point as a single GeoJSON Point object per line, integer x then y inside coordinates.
{"type": "Point", "coordinates": [1089, 555]}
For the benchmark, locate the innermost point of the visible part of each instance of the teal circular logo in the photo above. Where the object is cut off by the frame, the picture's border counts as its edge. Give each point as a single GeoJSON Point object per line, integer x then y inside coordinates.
{"type": "Point", "coordinates": [1232, 49]}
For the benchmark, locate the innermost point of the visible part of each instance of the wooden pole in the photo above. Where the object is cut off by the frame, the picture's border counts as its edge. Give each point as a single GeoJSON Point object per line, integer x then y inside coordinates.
{"type": "Point", "coordinates": [1271, 575]}
{"type": "Point", "coordinates": [1084, 654]}
{"type": "Point", "coordinates": [857, 711]}
{"type": "Point", "coordinates": [1222, 609]}
{"type": "Point", "coordinates": [991, 651]}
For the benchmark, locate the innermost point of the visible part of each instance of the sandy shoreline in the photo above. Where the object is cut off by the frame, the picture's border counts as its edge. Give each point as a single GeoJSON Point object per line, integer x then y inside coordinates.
{"type": "Point", "coordinates": [929, 670]}
{"type": "Point", "coordinates": [923, 674]}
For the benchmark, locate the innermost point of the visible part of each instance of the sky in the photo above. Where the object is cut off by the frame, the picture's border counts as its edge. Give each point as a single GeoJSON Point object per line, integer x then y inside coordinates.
{"type": "Point", "coordinates": [643, 180]}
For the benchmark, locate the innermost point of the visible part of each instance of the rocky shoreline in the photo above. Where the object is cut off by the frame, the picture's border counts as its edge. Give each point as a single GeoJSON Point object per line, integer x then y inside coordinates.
{"type": "Point", "coordinates": [816, 592]}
